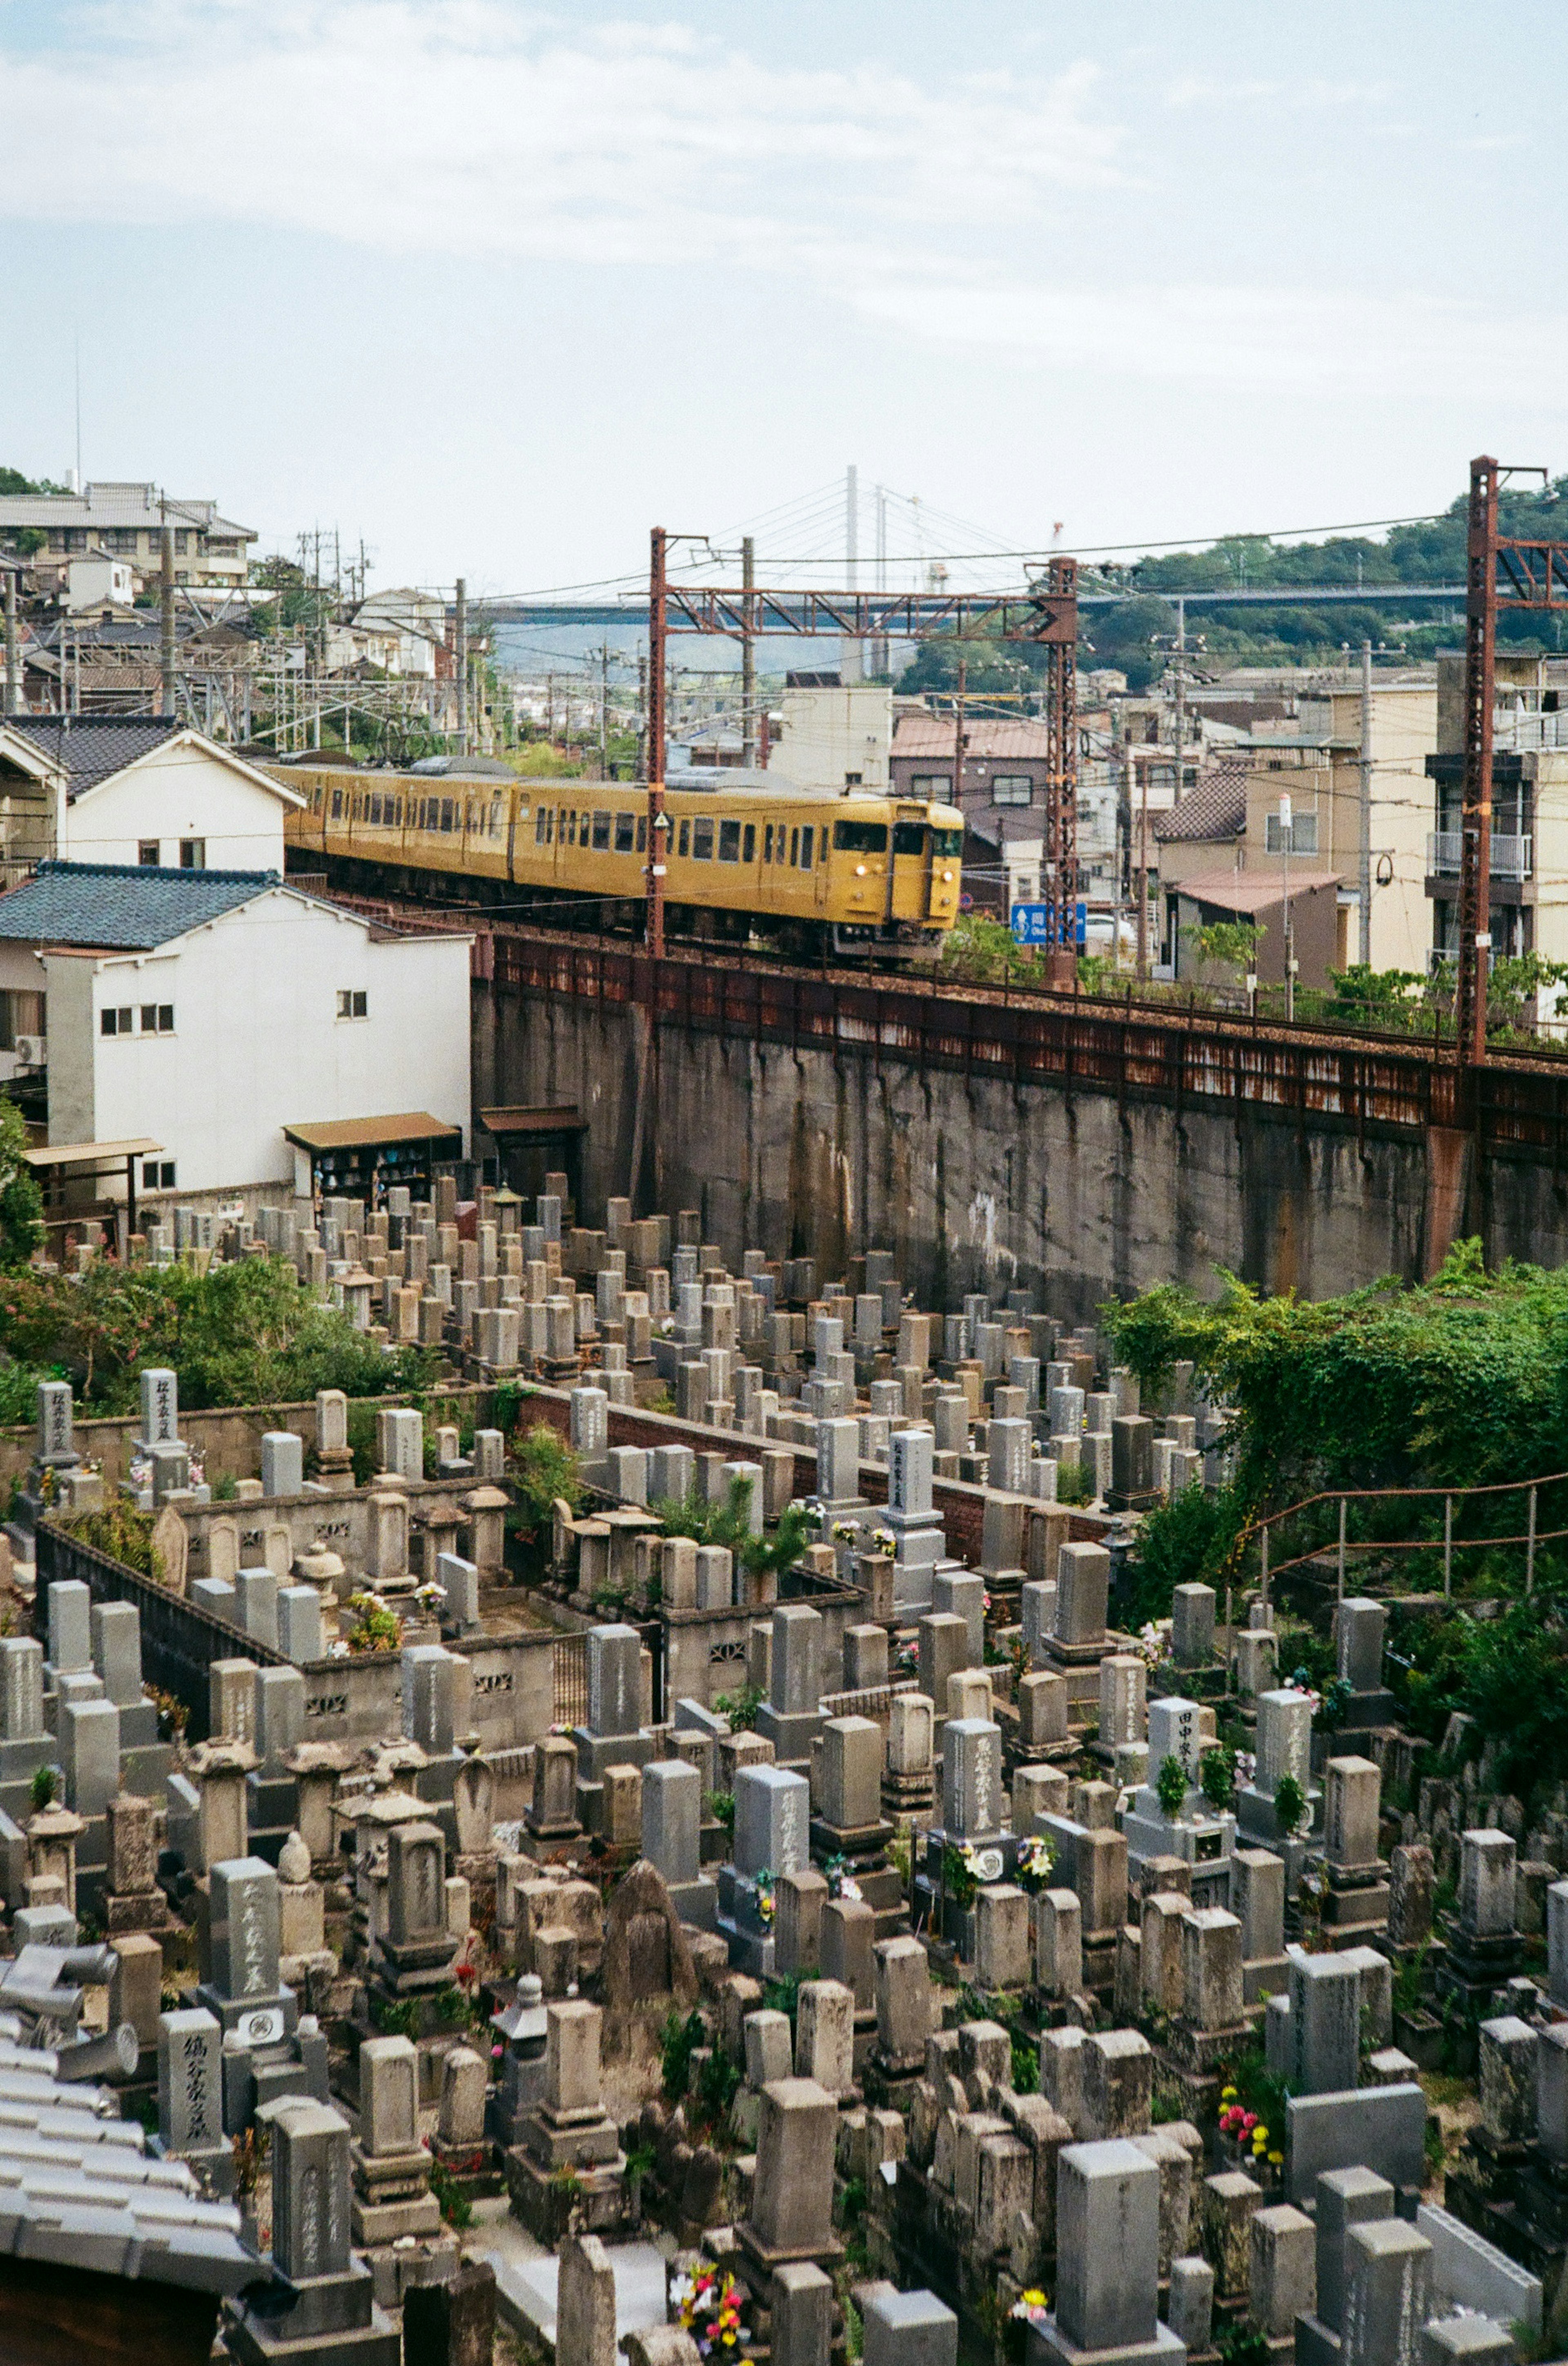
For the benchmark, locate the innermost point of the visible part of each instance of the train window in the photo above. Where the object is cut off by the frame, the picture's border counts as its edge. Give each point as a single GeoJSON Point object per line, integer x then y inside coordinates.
{"type": "Point", "coordinates": [642, 833]}
{"type": "Point", "coordinates": [600, 831]}
{"type": "Point", "coordinates": [396, 813]}
{"type": "Point", "coordinates": [729, 841]}
{"type": "Point", "coordinates": [375, 809]}
{"type": "Point", "coordinates": [702, 839]}
{"type": "Point", "coordinates": [337, 804]}
{"type": "Point", "coordinates": [625, 832]}
{"type": "Point", "coordinates": [446, 813]}
{"type": "Point", "coordinates": [767, 842]}
{"type": "Point", "coordinates": [946, 842]}
{"type": "Point", "coordinates": [909, 838]}
{"type": "Point", "coordinates": [539, 819]}
{"type": "Point", "coordinates": [496, 810]}
{"type": "Point", "coordinates": [860, 836]}
{"type": "Point", "coordinates": [749, 854]}
{"type": "Point", "coordinates": [794, 845]}
{"type": "Point", "coordinates": [806, 835]}
{"type": "Point", "coordinates": [685, 846]}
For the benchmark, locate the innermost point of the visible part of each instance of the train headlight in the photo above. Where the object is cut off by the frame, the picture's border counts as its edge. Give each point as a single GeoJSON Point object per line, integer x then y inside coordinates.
{"type": "Point", "coordinates": [860, 871]}
{"type": "Point", "coordinates": [946, 878]}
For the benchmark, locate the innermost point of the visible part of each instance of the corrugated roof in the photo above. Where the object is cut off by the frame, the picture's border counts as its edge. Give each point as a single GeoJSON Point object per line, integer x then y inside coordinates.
{"type": "Point", "coordinates": [1216, 808]}
{"type": "Point", "coordinates": [122, 909]}
{"type": "Point", "coordinates": [79, 2187]}
{"type": "Point", "coordinates": [89, 747]}
{"type": "Point", "coordinates": [1250, 891]}
{"type": "Point", "coordinates": [364, 1133]}
{"type": "Point", "coordinates": [116, 504]}
{"type": "Point", "coordinates": [985, 741]}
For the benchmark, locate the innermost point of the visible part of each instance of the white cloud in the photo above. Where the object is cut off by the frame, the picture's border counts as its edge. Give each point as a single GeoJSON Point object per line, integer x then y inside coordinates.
{"type": "Point", "coordinates": [445, 126]}
{"type": "Point", "coordinates": [429, 129]}
{"type": "Point", "coordinates": [1234, 337]}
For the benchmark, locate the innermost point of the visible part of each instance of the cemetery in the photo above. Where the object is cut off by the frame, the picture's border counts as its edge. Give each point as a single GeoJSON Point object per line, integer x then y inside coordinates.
{"type": "Point", "coordinates": [743, 1815]}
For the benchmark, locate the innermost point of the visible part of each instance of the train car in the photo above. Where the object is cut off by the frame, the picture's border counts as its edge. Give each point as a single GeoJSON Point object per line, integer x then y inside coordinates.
{"type": "Point", "coordinates": [811, 871]}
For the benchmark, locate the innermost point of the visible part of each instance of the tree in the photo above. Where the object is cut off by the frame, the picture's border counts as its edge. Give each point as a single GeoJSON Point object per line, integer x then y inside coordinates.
{"type": "Point", "coordinates": [21, 1208]}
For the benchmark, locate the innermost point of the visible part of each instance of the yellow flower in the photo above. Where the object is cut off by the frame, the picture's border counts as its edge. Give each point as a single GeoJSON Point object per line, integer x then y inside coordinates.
{"type": "Point", "coordinates": [1228, 2094]}
{"type": "Point", "coordinates": [1276, 2160]}
{"type": "Point", "coordinates": [1035, 2298]}
{"type": "Point", "coordinates": [1259, 2134]}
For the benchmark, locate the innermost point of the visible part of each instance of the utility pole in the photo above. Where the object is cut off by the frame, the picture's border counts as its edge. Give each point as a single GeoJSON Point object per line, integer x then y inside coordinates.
{"type": "Point", "coordinates": [849, 650]}
{"type": "Point", "coordinates": [1286, 825]}
{"type": "Point", "coordinates": [13, 666]}
{"type": "Point", "coordinates": [657, 825]}
{"type": "Point", "coordinates": [604, 710]}
{"type": "Point", "coordinates": [1178, 729]}
{"type": "Point", "coordinates": [958, 734]}
{"type": "Point", "coordinates": [1142, 774]}
{"type": "Point", "coordinates": [1365, 947]}
{"type": "Point", "coordinates": [460, 664]}
{"type": "Point", "coordinates": [166, 602]}
{"type": "Point", "coordinates": [748, 658]}
{"type": "Point", "coordinates": [1475, 823]}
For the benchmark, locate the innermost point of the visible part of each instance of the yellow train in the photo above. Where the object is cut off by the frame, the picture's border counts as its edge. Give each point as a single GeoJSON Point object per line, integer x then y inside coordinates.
{"type": "Point", "coordinates": [809, 871]}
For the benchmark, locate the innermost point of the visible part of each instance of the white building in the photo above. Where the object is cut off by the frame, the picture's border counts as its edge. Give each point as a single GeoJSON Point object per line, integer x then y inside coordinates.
{"type": "Point", "coordinates": [406, 627]}
{"type": "Point", "coordinates": [218, 1012]}
{"type": "Point", "coordinates": [129, 519]}
{"type": "Point", "coordinates": [134, 789]}
{"type": "Point", "coordinates": [834, 736]}
{"type": "Point", "coordinates": [99, 580]}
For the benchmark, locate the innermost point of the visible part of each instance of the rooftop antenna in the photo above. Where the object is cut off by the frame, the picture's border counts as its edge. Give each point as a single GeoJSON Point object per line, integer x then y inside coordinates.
{"type": "Point", "coordinates": [78, 410]}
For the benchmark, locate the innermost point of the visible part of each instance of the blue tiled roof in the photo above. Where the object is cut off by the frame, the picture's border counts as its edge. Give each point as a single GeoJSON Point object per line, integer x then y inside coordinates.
{"type": "Point", "coordinates": [119, 906]}
{"type": "Point", "coordinates": [90, 748]}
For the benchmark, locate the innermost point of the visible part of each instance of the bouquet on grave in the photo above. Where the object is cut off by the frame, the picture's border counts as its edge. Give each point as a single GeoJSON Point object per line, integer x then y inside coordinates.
{"type": "Point", "coordinates": [1036, 1862]}
{"type": "Point", "coordinates": [707, 2306]}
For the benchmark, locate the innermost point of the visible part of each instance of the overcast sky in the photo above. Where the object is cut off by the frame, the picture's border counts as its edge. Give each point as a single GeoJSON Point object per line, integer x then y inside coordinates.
{"type": "Point", "coordinates": [498, 288]}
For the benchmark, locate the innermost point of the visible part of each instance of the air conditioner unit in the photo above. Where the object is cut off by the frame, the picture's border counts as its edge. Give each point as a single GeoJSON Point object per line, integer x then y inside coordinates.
{"type": "Point", "coordinates": [32, 1051]}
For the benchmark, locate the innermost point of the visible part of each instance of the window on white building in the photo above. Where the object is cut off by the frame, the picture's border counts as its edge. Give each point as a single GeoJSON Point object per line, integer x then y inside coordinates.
{"type": "Point", "coordinates": [116, 1021]}
{"type": "Point", "coordinates": [157, 1019]}
{"type": "Point", "coordinates": [352, 1004]}
{"type": "Point", "coordinates": [157, 1175]}
{"type": "Point", "coordinates": [147, 853]}
{"type": "Point", "coordinates": [193, 854]}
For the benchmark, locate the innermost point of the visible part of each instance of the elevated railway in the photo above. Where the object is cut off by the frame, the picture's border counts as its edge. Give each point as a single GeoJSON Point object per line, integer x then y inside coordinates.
{"type": "Point", "coordinates": [1180, 1055]}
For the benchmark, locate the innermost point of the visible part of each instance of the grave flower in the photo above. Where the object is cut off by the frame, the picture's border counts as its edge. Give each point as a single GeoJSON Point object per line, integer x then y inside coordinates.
{"type": "Point", "coordinates": [1031, 2307]}
{"type": "Point", "coordinates": [1036, 1862]}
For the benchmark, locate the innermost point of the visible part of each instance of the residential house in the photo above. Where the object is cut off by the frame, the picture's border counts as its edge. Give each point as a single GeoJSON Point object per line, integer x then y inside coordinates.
{"type": "Point", "coordinates": [99, 580]}
{"type": "Point", "coordinates": [133, 789]}
{"type": "Point", "coordinates": [126, 521]}
{"type": "Point", "coordinates": [247, 1028]}
{"type": "Point", "coordinates": [1529, 894]}
{"type": "Point", "coordinates": [1314, 759]}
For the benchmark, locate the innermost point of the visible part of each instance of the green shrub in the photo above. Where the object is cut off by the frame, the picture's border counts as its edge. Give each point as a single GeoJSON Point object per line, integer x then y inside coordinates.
{"type": "Point", "coordinates": [1290, 1804]}
{"type": "Point", "coordinates": [1216, 1777]}
{"type": "Point", "coordinates": [1170, 1785]}
{"type": "Point", "coordinates": [547, 1471]}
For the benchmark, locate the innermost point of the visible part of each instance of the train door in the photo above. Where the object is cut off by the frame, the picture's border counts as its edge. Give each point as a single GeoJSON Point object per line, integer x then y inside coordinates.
{"type": "Point", "coordinates": [909, 872]}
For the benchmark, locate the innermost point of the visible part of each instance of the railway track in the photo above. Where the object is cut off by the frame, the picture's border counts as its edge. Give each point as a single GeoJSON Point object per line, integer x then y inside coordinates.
{"type": "Point", "coordinates": [1128, 1008]}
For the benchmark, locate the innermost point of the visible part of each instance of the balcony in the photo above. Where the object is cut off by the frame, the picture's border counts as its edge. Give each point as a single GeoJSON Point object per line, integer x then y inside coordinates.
{"type": "Point", "coordinates": [1512, 858]}
{"type": "Point", "coordinates": [1518, 729]}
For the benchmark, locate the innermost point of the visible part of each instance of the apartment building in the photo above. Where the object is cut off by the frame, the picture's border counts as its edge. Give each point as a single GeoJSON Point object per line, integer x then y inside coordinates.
{"type": "Point", "coordinates": [1530, 808]}
{"type": "Point", "coordinates": [126, 520]}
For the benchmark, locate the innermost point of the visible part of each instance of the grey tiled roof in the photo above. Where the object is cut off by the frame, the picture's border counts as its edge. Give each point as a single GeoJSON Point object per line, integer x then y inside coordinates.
{"type": "Point", "coordinates": [91, 747]}
{"type": "Point", "coordinates": [79, 2185]}
{"type": "Point", "coordinates": [1216, 808]}
{"type": "Point", "coordinates": [115, 906]}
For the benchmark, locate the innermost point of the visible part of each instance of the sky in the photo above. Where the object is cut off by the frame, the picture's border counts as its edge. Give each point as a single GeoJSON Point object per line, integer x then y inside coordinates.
{"type": "Point", "coordinates": [499, 287]}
